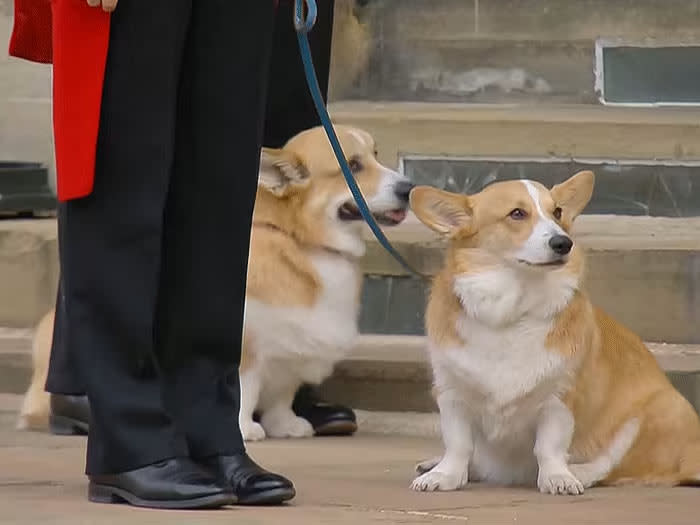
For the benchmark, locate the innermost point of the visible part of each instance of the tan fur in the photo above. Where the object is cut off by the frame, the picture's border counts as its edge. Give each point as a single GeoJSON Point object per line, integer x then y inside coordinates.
{"type": "Point", "coordinates": [617, 379]}
{"type": "Point", "coordinates": [286, 231]}
{"type": "Point", "coordinates": [34, 414]}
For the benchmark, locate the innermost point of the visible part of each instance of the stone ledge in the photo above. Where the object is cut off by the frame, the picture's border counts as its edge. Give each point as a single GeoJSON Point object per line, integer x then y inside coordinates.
{"type": "Point", "coordinates": [503, 130]}
{"type": "Point", "coordinates": [391, 373]}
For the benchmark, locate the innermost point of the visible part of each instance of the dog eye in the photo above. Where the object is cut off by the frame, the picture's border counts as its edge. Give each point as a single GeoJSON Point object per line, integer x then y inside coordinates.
{"type": "Point", "coordinates": [557, 213]}
{"type": "Point", "coordinates": [518, 214]}
{"type": "Point", "coordinates": [355, 165]}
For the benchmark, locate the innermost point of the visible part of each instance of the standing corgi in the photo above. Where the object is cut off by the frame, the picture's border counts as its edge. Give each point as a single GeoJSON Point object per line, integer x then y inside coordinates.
{"type": "Point", "coordinates": [534, 384]}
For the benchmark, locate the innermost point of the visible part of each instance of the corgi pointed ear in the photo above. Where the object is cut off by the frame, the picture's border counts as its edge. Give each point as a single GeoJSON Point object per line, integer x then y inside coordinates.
{"type": "Point", "coordinates": [573, 194]}
{"type": "Point", "coordinates": [442, 211]}
{"type": "Point", "coordinates": [281, 172]}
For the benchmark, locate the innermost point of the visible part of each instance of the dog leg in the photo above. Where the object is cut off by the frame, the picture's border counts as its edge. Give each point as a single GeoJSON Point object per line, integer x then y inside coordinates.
{"type": "Point", "coordinates": [600, 468]}
{"type": "Point", "coordinates": [278, 419]}
{"type": "Point", "coordinates": [452, 471]}
{"type": "Point", "coordinates": [251, 383]}
{"type": "Point", "coordinates": [554, 432]}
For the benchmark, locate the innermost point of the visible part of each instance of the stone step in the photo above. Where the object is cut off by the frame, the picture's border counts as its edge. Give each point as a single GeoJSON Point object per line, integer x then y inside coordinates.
{"type": "Point", "coordinates": [660, 135]}
{"type": "Point", "coordinates": [645, 271]}
{"type": "Point", "coordinates": [383, 374]}
{"type": "Point", "coordinates": [505, 50]}
{"type": "Point", "coordinates": [391, 374]}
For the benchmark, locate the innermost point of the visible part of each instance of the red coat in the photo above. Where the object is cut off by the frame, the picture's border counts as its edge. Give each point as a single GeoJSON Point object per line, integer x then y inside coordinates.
{"type": "Point", "coordinates": [74, 37]}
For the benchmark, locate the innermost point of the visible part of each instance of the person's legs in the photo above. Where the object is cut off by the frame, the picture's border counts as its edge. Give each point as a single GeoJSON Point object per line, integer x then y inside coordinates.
{"type": "Point", "coordinates": [110, 245]}
{"type": "Point", "coordinates": [207, 235]}
{"type": "Point", "coordinates": [290, 110]}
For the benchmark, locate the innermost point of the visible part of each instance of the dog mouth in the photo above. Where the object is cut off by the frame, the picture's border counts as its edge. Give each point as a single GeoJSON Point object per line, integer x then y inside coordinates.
{"type": "Point", "coordinates": [350, 212]}
{"type": "Point", "coordinates": [557, 263]}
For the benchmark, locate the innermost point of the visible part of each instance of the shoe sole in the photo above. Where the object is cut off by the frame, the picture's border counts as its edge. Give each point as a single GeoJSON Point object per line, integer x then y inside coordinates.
{"type": "Point", "coordinates": [269, 497]}
{"type": "Point", "coordinates": [66, 426]}
{"type": "Point", "coordinates": [336, 428]}
{"type": "Point", "coordinates": [107, 494]}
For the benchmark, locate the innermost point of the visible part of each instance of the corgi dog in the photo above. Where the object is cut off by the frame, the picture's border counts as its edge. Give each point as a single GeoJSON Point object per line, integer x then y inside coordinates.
{"type": "Point", "coordinates": [304, 277]}
{"type": "Point", "coordinates": [534, 384]}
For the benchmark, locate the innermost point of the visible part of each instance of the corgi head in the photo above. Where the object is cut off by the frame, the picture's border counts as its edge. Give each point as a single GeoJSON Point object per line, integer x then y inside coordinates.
{"type": "Point", "coordinates": [519, 223]}
{"type": "Point", "coordinates": [301, 189]}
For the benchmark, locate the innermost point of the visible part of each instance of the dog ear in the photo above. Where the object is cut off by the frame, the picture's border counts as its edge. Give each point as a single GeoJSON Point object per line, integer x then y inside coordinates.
{"type": "Point", "coordinates": [573, 195]}
{"type": "Point", "coordinates": [446, 213]}
{"type": "Point", "coordinates": [281, 172]}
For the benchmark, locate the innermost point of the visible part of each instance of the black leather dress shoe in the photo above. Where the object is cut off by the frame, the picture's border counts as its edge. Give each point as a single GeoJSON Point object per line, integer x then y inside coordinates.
{"type": "Point", "coordinates": [177, 483]}
{"type": "Point", "coordinates": [252, 484]}
{"type": "Point", "coordinates": [327, 419]}
{"type": "Point", "coordinates": [69, 415]}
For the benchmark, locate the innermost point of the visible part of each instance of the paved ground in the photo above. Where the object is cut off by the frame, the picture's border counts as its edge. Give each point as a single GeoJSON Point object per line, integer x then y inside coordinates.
{"type": "Point", "coordinates": [340, 481]}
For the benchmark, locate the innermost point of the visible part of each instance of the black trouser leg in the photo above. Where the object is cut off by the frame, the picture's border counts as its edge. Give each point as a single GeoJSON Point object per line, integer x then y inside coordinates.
{"type": "Point", "coordinates": [111, 240]}
{"type": "Point", "coordinates": [63, 377]}
{"type": "Point", "coordinates": [290, 109]}
{"type": "Point", "coordinates": [208, 219]}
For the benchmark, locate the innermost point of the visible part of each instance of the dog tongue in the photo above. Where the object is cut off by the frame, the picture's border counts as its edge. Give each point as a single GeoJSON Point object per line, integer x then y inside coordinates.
{"type": "Point", "coordinates": [396, 215]}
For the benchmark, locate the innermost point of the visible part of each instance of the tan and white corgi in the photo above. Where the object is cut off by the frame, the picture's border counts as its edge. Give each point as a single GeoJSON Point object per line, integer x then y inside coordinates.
{"type": "Point", "coordinates": [304, 279]}
{"type": "Point", "coordinates": [534, 384]}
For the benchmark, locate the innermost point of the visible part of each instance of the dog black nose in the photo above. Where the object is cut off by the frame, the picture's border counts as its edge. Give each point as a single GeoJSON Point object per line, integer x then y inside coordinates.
{"type": "Point", "coordinates": [402, 189]}
{"type": "Point", "coordinates": [560, 244]}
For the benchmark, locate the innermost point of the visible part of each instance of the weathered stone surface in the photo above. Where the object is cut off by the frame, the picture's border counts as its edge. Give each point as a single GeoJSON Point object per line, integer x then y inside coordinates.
{"type": "Point", "coordinates": [505, 50]}
{"type": "Point", "coordinates": [562, 132]}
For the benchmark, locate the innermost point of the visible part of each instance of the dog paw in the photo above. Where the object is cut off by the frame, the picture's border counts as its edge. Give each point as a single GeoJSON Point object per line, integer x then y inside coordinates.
{"type": "Point", "coordinates": [291, 426]}
{"type": "Point", "coordinates": [439, 481]}
{"type": "Point", "coordinates": [252, 431]}
{"type": "Point", "coordinates": [563, 482]}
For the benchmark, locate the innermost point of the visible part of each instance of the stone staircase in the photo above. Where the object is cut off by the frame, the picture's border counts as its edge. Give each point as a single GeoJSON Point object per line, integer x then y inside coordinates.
{"type": "Point", "coordinates": [459, 93]}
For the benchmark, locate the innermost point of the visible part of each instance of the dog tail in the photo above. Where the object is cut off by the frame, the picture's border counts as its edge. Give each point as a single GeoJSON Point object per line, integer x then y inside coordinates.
{"type": "Point", "coordinates": [34, 414]}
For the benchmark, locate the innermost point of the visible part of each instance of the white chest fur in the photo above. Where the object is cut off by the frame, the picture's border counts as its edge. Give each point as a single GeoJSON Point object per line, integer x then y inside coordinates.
{"type": "Point", "coordinates": [321, 333]}
{"type": "Point", "coordinates": [503, 374]}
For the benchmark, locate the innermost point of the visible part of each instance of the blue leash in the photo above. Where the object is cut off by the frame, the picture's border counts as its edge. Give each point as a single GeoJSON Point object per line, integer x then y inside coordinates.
{"type": "Point", "coordinates": [303, 26]}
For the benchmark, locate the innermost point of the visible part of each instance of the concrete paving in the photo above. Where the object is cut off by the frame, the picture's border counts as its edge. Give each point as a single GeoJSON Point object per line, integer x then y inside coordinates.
{"type": "Point", "coordinates": [363, 479]}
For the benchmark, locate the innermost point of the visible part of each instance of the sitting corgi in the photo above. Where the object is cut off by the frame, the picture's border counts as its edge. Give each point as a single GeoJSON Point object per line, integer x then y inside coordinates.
{"type": "Point", "coordinates": [534, 384]}
{"type": "Point", "coordinates": [304, 278]}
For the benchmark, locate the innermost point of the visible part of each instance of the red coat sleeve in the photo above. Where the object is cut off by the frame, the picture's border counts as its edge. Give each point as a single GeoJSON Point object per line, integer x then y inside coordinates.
{"type": "Point", "coordinates": [80, 42]}
{"type": "Point", "coordinates": [31, 32]}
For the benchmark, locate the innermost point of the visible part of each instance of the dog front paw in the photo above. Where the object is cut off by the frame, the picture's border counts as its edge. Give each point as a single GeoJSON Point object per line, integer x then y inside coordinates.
{"type": "Point", "coordinates": [252, 431]}
{"type": "Point", "coordinates": [559, 482]}
{"type": "Point", "coordinates": [286, 426]}
{"type": "Point", "coordinates": [436, 480]}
